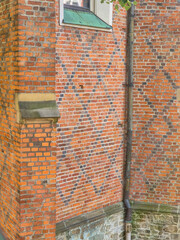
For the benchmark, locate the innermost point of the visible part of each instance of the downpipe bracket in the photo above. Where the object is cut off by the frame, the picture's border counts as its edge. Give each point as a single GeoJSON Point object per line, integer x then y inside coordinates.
{"type": "Point", "coordinates": [128, 227]}
{"type": "Point", "coordinates": [128, 231]}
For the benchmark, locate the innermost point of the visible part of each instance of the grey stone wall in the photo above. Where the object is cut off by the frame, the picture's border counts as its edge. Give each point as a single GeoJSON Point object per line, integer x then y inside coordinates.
{"type": "Point", "coordinates": [149, 222]}
{"type": "Point", "coordinates": [108, 227]}
{"type": "Point", "coordinates": [153, 224]}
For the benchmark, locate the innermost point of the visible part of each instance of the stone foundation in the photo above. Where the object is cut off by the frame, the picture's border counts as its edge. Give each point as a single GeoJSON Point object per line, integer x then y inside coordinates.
{"type": "Point", "coordinates": [155, 222]}
{"type": "Point", "coordinates": [103, 224]}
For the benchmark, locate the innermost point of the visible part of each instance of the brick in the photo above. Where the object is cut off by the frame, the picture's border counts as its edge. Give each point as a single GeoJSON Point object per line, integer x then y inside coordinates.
{"type": "Point", "coordinates": [85, 156]}
{"type": "Point", "coordinates": [156, 139]}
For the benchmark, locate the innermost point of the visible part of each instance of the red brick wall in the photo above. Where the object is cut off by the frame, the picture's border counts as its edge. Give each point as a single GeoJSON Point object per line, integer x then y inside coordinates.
{"type": "Point", "coordinates": [9, 133]}
{"type": "Point", "coordinates": [91, 98]}
{"type": "Point", "coordinates": [90, 90]}
{"type": "Point", "coordinates": [38, 181]}
{"type": "Point", "coordinates": [36, 46]}
{"type": "Point", "coordinates": [156, 140]}
{"type": "Point", "coordinates": [38, 161]}
{"type": "Point", "coordinates": [27, 56]}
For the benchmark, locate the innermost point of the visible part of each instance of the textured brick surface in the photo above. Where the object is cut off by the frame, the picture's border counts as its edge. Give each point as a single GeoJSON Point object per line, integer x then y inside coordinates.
{"type": "Point", "coordinates": [27, 57]}
{"type": "Point", "coordinates": [91, 99]}
{"type": "Point", "coordinates": [88, 69]}
{"type": "Point", "coordinates": [156, 140]}
{"type": "Point", "coordinates": [36, 22]}
{"type": "Point", "coordinates": [9, 133]}
{"type": "Point", "coordinates": [38, 181]}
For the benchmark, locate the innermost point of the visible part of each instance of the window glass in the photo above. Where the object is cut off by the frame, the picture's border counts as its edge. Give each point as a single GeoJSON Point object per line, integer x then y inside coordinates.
{"type": "Point", "coordinates": [78, 3]}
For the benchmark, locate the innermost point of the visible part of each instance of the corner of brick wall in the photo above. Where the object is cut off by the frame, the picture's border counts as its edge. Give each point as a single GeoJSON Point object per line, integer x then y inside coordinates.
{"type": "Point", "coordinates": [9, 129]}
{"type": "Point", "coordinates": [38, 139]}
{"type": "Point", "coordinates": [27, 151]}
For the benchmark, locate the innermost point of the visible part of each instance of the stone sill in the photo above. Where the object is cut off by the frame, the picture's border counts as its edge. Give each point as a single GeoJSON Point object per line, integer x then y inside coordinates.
{"type": "Point", "coordinates": [155, 207]}
{"type": "Point", "coordinates": [88, 217]}
{"type": "Point", "coordinates": [36, 107]}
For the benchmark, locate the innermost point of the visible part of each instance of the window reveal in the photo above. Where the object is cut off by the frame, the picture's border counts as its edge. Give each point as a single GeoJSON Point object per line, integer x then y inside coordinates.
{"type": "Point", "coordinates": [86, 13]}
{"type": "Point", "coordinates": [78, 3]}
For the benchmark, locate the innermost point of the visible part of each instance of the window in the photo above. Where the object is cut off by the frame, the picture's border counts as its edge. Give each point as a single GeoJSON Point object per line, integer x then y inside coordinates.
{"type": "Point", "coordinates": [78, 3]}
{"type": "Point", "coordinates": [86, 13]}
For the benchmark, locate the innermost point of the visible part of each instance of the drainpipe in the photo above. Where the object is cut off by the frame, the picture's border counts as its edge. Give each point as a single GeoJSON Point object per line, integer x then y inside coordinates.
{"type": "Point", "coordinates": [130, 39]}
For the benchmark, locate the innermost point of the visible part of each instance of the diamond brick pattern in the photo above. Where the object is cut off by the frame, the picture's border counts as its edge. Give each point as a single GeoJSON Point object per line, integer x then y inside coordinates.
{"type": "Point", "coordinates": [156, 142]}
{"type": "Point", "coordinates": [90, 95]}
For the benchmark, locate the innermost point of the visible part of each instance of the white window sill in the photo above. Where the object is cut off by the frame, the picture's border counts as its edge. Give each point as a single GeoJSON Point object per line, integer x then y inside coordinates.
{"type": "Point", "coordinates": [85, 27]}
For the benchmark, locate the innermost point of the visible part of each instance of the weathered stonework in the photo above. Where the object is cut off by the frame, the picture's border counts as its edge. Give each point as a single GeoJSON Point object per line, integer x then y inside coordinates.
{"type": "Point", "coordinates": [107, 225]}
{"type": "Point", "coordinates": [155, 226]}
{"type": "Point", "coordinates": [156, 222]}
